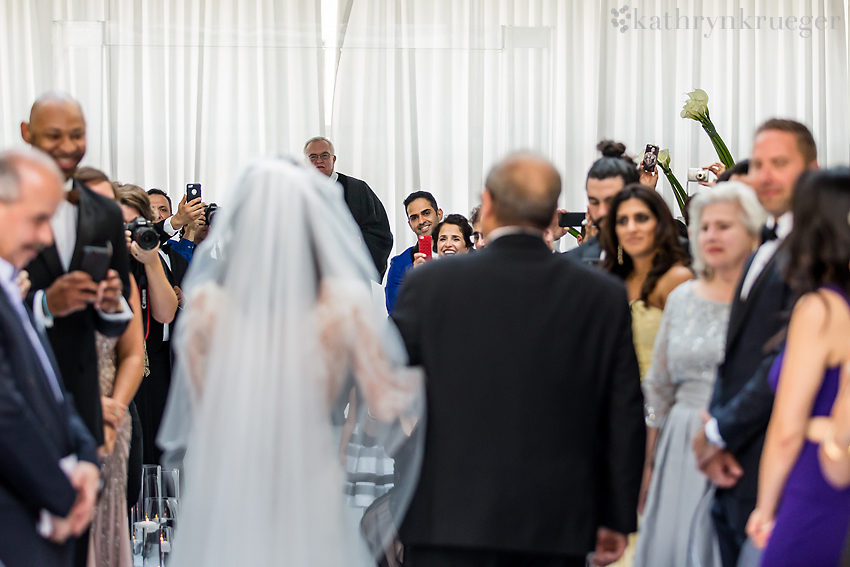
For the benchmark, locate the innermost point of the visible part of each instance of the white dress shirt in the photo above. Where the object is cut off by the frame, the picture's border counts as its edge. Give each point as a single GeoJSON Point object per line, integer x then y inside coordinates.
{"type": "Point", "coordinates": [783, 226]}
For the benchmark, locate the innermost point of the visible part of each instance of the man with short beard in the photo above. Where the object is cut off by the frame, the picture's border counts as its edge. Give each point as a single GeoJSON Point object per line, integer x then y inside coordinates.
{"type": "Point", "coordinates": [423, 215]}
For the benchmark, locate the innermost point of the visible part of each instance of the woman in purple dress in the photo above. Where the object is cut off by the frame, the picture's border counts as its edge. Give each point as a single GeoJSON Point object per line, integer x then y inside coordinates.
{"type": "Point", "coordinates": [800, 519]}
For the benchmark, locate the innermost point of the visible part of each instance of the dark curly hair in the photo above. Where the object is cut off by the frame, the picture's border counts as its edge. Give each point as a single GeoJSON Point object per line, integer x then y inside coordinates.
{"type": "Point", "coordinates": [457, 220]}
{"type": "Point", "coordinates": [668, 251]}
{"type": "Point", "coordinates": [819, 245]}
{"type": "Point", "coordinates": [614, 163]}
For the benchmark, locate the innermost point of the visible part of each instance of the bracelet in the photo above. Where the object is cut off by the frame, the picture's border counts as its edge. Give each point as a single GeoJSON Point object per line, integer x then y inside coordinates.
{"type": "Point", "coordinates": [831, 448]}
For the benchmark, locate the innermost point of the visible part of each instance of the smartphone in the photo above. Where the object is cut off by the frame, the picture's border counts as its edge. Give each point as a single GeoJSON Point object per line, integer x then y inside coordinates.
{"type": "Point", "coordinates": [96, 261]}
{"type": "Point", "coordinates": [425, 244]}
{"type": "Point", "coordinates": [193, 191]}
{"type": "Point", "coordinates": [571, 219]}
{"type": "Point", "coordinates": [650, 157]}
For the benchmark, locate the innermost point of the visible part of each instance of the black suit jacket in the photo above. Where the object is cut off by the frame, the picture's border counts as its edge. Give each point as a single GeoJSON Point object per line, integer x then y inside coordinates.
{"type": "Point", "coordinates": [535, 424]}
{"type": "Point", "coordinates": [371, 217]}
{"type": "Point", "coordinates": [743, 399]}
{"type": "Point", "coordinates": [36, 430]}
{"type": "Point", "coordinates": [99, 220]}
{"type": "Point", "coordinates": [587, 252]}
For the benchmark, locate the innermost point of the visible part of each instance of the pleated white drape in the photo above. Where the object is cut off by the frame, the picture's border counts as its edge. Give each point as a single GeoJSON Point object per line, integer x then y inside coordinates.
{"type": "Point", "coordinates": [426, 94]}
{"type": "Point", "coordinates": [430, 94]}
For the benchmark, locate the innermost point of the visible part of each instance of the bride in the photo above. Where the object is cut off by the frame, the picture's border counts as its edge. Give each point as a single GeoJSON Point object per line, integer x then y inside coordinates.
{"type": "Point", "coordinates": [279, 327]}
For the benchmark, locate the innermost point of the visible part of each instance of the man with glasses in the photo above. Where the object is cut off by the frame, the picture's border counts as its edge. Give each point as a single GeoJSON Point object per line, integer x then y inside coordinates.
{"type": "Point", "coordinates": [364, 205]}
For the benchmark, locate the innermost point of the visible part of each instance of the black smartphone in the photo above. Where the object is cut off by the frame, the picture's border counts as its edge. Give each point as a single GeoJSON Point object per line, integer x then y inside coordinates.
{"type": "Point", "coordinates": [96, 261]}
{"type": "Point", "coordinates": [193, 191]}
{"type": "Point", "coordinates": [650, 157]}
{"type": "Point", "coordinates": [571, 219]}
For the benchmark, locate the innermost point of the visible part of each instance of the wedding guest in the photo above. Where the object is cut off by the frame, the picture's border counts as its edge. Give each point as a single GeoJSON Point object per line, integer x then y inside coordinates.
{"type": "Point", "coordinates": [453, 236]}
{"type": "Point", "coordinates": [423, 214]}
{"type": "Point", "coordinates": [121, 364]}
{"type": "Point", "coordinates": [738, 172]}
{"type": "Point", "coordinates": [475, 221]}
{"type": "Point", "coordinates": [799, 516]}
{"type": "Point", "coordinates": [155, 278]}
{"type": "Point", "coordinates": [641, 244]}
{"type": "Point", "coordinates": [729, 447]}
{"type": "Point", "coordinates": [725, 227]}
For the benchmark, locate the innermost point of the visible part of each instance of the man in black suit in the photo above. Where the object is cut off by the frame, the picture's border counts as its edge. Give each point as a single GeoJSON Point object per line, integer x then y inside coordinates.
{"type": "Point", "coordinates": [64, 298]}
{"type": "Point", "coordinates": [729, 448]}
{"type": "Point", "coordinates": [48, 475]}
{"type": "Point", "coordinates": [535, 437]}
{"type": "Point", "coordinates": [365, 206]}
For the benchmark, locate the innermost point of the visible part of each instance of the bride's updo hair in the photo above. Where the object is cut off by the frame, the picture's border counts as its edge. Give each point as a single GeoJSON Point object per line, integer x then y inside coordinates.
{"type": "Point", "coordinates": [614, 163]}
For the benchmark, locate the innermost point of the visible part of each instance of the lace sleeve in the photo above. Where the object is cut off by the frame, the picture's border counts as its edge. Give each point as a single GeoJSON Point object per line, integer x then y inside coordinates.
{"type": "Point", "coordinates": [658, 388]}
{"type": "Point", "coordinates": [198, 322]}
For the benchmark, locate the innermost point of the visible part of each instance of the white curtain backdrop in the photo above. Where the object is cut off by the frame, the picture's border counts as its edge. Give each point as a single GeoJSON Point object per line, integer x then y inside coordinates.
{"type": "Point", "coordinates": [426, 95]}
{"type": "Point", "coordinates": [429, 94]}
{"type": "Point", "coordinates": [173, 92]}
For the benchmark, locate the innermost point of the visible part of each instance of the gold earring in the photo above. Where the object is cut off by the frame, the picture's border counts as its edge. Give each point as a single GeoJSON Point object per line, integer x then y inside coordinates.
{"type": "Point", "coordinates": [620, 254]}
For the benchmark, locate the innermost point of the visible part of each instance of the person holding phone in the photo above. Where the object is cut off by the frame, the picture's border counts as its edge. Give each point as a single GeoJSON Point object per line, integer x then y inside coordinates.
{"type": "Point", "coordinates": [453, 236]}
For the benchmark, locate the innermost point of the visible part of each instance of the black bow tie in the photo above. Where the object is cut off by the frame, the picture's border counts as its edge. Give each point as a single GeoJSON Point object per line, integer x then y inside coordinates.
{"type": "Point", "coordinates": [768, 234]}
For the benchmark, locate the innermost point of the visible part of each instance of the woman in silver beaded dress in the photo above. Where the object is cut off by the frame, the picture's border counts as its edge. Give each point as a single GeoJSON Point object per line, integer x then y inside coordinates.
{"type": "Point", "coordinates": [691, 340]}
{"type": "Point", "coordinates": [121, 363]}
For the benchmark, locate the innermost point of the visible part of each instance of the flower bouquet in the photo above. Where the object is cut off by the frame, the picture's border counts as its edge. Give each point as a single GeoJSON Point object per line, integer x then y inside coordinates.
{"type": "Point", "coordinates": [696, 108]}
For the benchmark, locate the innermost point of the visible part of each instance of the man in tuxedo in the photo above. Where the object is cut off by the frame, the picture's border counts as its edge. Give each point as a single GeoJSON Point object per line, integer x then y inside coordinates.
{"type": "Point", "coordinates": [728, 449]}
{"type": "Point", "coordinates": [365, 206]}
{"type": "Point", "coordinates": [64, 298]}
{"type": "Point", "coordinates": [535, 438]}
{"type": "Point", "coordinates": [48, 475]}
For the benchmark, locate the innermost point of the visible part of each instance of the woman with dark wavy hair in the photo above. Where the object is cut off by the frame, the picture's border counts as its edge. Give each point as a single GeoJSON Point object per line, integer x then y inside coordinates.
{"type": "Point", "coordinates": [799, 516]}
{"type": "Point", "coordinates": [641, 244]}
{"type": "Point", "coordinates": [453, 236]}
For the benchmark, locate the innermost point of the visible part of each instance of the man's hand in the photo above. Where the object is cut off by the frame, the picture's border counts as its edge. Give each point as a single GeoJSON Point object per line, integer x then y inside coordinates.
{"type": "Point", "coordinates": [23, 282]}
{"type": "Point", "coordinates": [704, 450]}
{"type": "Point", "coordinates": [61, 530]}
{"type": "Point", "coordinates": [201, 231]}
{"type": "Point", "coordinates": [717, 169]}
{"type": "Point", "coordinates": [648, 178]}
{"type": "Point", "coordinates": [85, 479]}
{"type": "Point", "coordinates": [723, 470]}
{"type": "Point", "coordinates": [109, 291]}
{"type": "Point", "coordinates": [181, 299]}
{"type": "Point", "coordinates": [71, 293]}
{"type": "Point", "coordinates": [610, 546]}
{"type": "Point", "coordinates": [419, 258]}
{"type": "Point", "coordinates": [558, 231]}
{"type": "Point", "coordinates": [187, 212]}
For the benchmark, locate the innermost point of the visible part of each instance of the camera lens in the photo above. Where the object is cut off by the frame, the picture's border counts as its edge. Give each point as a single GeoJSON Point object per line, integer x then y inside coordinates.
{"type": "Point", "coordinates": [146, 237]}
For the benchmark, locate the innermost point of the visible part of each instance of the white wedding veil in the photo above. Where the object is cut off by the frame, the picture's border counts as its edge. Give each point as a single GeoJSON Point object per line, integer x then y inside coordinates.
{"type": "Point", "coordinates": [279, 331]}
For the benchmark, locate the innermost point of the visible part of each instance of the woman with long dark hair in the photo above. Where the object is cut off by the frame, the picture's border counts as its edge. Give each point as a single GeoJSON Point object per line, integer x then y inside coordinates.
{"type": "Point", "coordinates": [799, 516]}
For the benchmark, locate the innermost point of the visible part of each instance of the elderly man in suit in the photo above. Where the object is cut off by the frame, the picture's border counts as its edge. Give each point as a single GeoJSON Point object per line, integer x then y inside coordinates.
{"type": "Point", "coordinates": [48, 479]}
{"type": "Point", "coordinates": [535, 438]}
{"type": "Point", "coordinates": [63, 297]}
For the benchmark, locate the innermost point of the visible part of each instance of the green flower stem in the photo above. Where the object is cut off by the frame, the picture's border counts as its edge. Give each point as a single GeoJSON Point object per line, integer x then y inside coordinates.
{"type": "Point", "coordinates": [719, 146]}
{"type": "Point", "coordinates": [678, 191]}
{"type": "Point", "coordinates": [574, 232]}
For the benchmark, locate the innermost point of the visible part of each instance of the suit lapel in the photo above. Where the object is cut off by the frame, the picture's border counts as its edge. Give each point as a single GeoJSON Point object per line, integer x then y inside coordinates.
{"type": "Point", "coordinates": [86, 224]}
{"type": "Point", "coordinates": [740, 308]}
{"type": "Point", "coordinates": [50, 256]}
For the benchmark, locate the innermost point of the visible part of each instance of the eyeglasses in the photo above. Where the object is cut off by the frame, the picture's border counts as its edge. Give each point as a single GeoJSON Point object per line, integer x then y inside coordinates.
{"type": "Point", "coordinates": [476, 236]}
{"type": "Point", "coordinates": [324, 156]}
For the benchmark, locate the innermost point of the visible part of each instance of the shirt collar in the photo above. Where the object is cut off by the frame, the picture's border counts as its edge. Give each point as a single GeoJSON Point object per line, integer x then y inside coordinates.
{"type": "Point", "coordinates": [783, 224]}
{"type": "Point", "coordinates": [334, 176]}
{"type": "Point", "coordinates": [509, 230]}
{"type": "Point", "coordinates": [69, 184]}
{"type": "Point", "coordinates": [7, 273]}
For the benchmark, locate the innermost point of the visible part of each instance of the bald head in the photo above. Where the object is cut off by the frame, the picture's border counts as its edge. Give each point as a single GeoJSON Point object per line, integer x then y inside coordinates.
{"type": "Point", "coordinates": [30, 191]}
{"type": "Point", "coordinates": [57, 126]}
{"type": "Point", "coordinates": [522, 190]}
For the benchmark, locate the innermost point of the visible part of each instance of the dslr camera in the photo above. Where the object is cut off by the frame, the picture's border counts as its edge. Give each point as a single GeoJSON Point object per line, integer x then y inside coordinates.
{"type": "Point", "coordinates": [143, 233]}
{"type": "Point", "coordinates": [209, 212]}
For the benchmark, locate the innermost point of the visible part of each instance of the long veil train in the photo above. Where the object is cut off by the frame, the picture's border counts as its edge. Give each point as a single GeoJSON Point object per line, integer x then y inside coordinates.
{"type": "Point", "coordinates": [278, 327]}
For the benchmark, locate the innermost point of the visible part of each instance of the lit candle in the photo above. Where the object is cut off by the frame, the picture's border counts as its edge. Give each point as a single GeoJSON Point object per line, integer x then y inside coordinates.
{"type": "Point", "coordinates": [147, 524]}
{"type": "Point", "coordinates": [164, 546]}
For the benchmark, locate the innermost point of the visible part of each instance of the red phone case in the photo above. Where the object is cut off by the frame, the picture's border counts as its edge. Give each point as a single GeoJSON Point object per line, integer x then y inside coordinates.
{"type": "Point", "coordinates": [425, 244]}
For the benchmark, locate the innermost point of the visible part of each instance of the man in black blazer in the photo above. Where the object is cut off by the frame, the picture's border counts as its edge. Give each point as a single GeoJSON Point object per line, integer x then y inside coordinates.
{"type": "Point", "coordinates": [48, 475]}
{"type": "Point", "coordinates": [365, 206]}
{"type": "Point", "coordinates": [64, 298]}
{"type": "Point", "coordinates": [729, 448]}
{"type": "Point", "coordinates": [535, 428]}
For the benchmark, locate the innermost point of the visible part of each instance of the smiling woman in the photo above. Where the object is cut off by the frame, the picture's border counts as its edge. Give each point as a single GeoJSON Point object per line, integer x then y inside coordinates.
{"type": "Point", "coordinates": [453, 236]}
